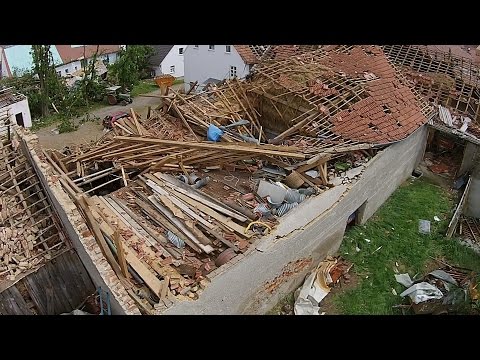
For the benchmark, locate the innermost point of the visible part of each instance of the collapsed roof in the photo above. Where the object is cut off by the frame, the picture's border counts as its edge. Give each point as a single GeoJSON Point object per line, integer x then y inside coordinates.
{"type": "Point", "coordinates": [446, 80]}
{"type": "Point", "coordinates": [30, 233]}
{"type": "Point", "coordinates": [301, 112]}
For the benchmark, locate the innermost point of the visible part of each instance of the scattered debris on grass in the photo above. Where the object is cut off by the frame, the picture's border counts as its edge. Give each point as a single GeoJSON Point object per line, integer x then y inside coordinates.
{"type": "Point", "coordinates": [441, 291]}
{"type": "Point", "coordinates": [318, 284]}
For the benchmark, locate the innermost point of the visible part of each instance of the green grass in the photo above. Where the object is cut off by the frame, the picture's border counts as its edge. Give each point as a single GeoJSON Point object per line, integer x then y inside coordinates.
{"type": "Point", "coordinates": [178, 81]}
{"type": "Point", "coordinates": [395, 228]}
{"type": "Point", "coordinates": [143, 87]}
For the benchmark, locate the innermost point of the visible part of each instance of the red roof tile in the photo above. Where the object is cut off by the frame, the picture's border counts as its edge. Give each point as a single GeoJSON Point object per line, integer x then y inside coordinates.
{"type": "Point", "coordinates": [69, 53]}
{"type": "Point", "coordinates": [375, 118]}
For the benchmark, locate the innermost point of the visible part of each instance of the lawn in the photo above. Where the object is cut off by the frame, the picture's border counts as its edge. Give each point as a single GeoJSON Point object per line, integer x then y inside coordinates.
{"type": "Point", "coordinates": [394, 228]}
{"type": "Point", "coordinates": [395, 243]}
{"type": "Point", "coordinates": [143, 87]}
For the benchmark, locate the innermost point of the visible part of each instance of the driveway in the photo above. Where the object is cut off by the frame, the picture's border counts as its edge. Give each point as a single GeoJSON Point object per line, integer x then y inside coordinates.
{"type": "Point", "coordinates": [93, 130]}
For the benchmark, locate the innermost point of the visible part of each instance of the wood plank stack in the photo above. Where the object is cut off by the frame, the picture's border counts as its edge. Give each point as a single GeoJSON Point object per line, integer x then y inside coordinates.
{"type": "Point", "coordinates": [167, 235]}
{"type": "Point", "coordinates": [157, 154]}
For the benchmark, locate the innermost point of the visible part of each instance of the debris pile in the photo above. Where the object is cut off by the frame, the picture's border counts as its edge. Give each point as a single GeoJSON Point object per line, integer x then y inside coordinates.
{"type": "Point", "coordinates": [441, 291]}
{"type": "Point", "coordinates": [319, 283]}
{"type": "Point", "coordinates": [181, 193]}
{"type": "Point", "coordinates": [28, 230]}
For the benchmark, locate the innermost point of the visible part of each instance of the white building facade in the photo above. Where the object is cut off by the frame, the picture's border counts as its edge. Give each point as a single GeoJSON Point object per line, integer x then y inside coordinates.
{"type": "Point", "coordinates": [215, 62]}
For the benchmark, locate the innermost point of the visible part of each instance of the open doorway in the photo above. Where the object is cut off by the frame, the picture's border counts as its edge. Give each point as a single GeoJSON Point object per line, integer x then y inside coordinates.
{"type": "Point", "coordinates": [356, 217]}
{"type": "Point", "coordinates": [19, 119]}
{"type": "Point", "coordinates": [443, 155]}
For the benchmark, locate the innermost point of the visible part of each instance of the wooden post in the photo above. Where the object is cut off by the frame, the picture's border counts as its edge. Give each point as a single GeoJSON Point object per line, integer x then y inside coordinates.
{"type": "Point", "coordinates": [120, 254]}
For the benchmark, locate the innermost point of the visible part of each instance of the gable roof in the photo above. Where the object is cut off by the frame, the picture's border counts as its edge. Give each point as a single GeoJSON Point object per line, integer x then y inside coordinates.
{"type": "Point", "coordinates": [250, 54]}
{"type": "Point", "coordinates": [161, 51]}
{"type": "Point", "coordinates": [69, 53]}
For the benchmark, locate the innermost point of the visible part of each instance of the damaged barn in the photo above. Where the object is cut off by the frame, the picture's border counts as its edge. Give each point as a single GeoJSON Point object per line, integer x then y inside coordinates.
{"type": "Point", "coordinates": [202, 206]}
{"type": "Point", "coordinates": [40, 273]}
{"type": "Point", "coordinates": [449, 83]}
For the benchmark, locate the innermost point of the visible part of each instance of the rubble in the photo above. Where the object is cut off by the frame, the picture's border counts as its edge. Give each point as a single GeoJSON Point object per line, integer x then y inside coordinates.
{"type": "Point", "coordinates": [318, 284]}
{"type": "Point", "coordinates": [167, 207]}
{"type": "Point", "coordinates": [441, 291]}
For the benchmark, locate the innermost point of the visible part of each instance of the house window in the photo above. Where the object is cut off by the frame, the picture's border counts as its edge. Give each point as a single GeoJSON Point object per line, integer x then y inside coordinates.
{"type": "Point", "coordinates": [228, 48]}
{"type": "Point", "coordinates": [180, 51]}
{"type": "Point", "coordinates": [211, 47]}
{"type": "Point", "coordinates": [172, 69]}
{"type": "Point", "coordinates": [75, 68]}
{"type": "Point", "coordinates": [66, 71]}
{"type": "Point", "coordinates": [233, 71]}
{"type": "Point", "coordinates": [195, 46]}
{"type": "Point", "coordinates": [59, 73]}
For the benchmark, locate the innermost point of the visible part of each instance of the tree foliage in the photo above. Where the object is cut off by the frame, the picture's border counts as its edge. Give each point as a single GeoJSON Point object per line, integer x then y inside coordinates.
{"type": "Point", "coordinates": [44, 68]}
{"type": "Point", "coordinates": [131, 66]}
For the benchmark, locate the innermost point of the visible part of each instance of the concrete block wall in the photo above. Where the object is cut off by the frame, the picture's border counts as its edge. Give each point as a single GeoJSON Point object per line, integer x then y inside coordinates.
{"type": "Point", "coordinates": [82, 239]}
{"type": "Point", "coordinates": [246, 288]}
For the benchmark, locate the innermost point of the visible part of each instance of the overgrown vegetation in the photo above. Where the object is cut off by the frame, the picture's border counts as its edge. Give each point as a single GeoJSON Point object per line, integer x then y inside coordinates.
{"type": "Point", "coordinates": [51, 101]}
{"type": "Point", "coordinates": [131, 66]}
{"type": "Point", "coordinates": [394, 242]}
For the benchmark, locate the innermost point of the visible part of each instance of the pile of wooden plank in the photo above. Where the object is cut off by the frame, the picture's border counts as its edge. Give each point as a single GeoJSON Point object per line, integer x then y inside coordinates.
{"type": "Point", "coordinates": [162, 237]}
{"type": "Point", "coordinates": [165, 126]}
{"type": "Point", "coordinates": [129, 125]}
{"type": "Point", "coordinates": [157, 154]}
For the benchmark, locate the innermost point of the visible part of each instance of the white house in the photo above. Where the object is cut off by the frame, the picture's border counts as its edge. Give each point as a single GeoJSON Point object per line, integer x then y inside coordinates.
{"type": "Point", "coordinates": [76, 57]}
{"type": "Point", "coordinates": [213, 63]}
{"type": "Point", "coordinates": [16, 106]}
{"type": "Point", "coordinates": [167, 59]}
{"type": "Point", "coordinates": [16, 59]}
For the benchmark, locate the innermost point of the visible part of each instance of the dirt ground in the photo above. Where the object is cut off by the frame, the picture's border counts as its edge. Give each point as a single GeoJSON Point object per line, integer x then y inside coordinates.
{"type": "Point", "coordinates": [93, 130]}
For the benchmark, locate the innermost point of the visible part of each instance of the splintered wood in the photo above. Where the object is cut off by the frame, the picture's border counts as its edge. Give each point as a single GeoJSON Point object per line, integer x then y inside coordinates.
{"type": "Point", "coordinates": [158, 154]}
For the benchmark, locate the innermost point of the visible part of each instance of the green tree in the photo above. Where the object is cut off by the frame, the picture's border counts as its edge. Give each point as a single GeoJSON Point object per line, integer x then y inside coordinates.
{"type": "Point", "coordinates": [132, 65]}
{"type": "Point", "coordinates": [44, 68]}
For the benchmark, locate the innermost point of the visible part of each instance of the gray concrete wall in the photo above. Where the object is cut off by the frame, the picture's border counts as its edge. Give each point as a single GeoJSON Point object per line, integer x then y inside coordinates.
{"type": "Point", "coordinates": [472, 205]}
{"type": "Point", "coordinates": [82, 239]}
{"type": "Point", "coordinates": [257, 282]}
{"type": "Point", "coordinates": [470, 157]}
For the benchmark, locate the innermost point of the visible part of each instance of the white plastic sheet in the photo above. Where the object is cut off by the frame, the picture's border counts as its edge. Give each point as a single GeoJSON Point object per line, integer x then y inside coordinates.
{"type": "Point", "coordinates": [422, 292]}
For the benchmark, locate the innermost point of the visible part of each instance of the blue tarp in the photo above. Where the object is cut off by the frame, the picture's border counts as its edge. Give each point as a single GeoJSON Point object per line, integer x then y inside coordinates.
{"type": "Point", "coordinates": [214, 133]}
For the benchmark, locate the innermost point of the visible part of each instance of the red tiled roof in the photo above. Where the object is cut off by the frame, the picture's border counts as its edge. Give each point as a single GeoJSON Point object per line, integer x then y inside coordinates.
{"type": "Point", "coordinates": [247, 54]}
{"type": "Point", "coordinates": [282, 52]}
{"type": "Point", "coordinates": [390, 112]}
{"type": "Point", "coordinates": [69, 53]}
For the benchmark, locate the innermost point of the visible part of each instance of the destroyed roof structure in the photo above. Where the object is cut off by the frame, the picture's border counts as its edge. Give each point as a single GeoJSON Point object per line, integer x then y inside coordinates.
{"type": "Point", "coordinates": [40, 273]}
{"type": "Point", "coordinates": [251, 54]}
{"type": "Point", "coordinates": [445, 80]}
{"type": "Point", "coordinates": [154, 192]}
